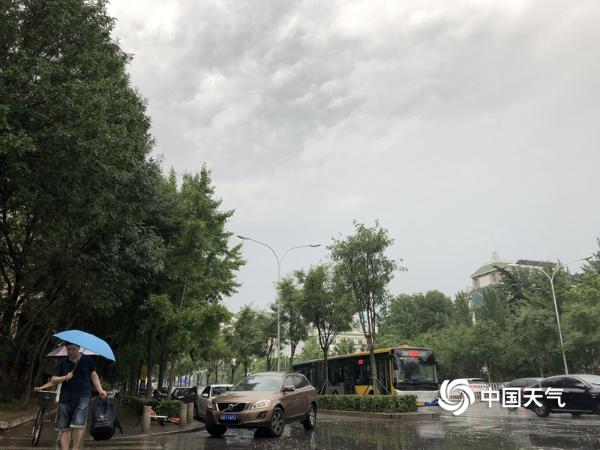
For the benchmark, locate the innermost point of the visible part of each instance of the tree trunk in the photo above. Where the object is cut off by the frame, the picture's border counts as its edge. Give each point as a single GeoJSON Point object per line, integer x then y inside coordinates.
{"type": "Point", "coordinates": [374, 379]}
{"type": "Point", "coordinates": [171, 373]}
{"type": "Point", "coordinates": [325, 371]}
{"type": "Point", "coordinates": [293, 346]}
{"type": "Point", "coordinates": [149, 369]}
{"type": "Point", "coordinates": [161, 369]}
{"type": "Point", "coordinates": [232, 373]}
{"type": "Point", "coordinates": [38, 351]}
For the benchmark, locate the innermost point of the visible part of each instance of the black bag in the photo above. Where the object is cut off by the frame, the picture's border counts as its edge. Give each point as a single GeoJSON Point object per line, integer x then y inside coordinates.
{"type": "Point", "coordinates": [104, 421]}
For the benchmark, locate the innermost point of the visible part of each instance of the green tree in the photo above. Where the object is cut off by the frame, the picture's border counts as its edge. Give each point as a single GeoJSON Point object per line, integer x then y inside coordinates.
{"type": "Point", "coordinates": [344, 346]}
{"type": "Point", "coordinates": [76, 180]}
{"type": "Point", "coordinates": [247, 337]}
{"type": "Point", "coordinates": [267, 325]}
{"type": "Point", "coordinates": [366, 270]}
{"type": "Point", "coordinates": [461, 310]}
{"type": "Point", "coordinates": [494, 307]}
{"type": "Point", "coordinates": [580, 324]}
{"type": "Point", "coordinates": [310, 350]}
{"type": "Point", "coordinates": [290, 299]}
{"type": "Point", "coordinates": [327, 306]}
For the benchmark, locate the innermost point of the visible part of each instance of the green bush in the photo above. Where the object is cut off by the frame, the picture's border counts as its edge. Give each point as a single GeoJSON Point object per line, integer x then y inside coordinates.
{"type": "Point", "coordinates": [161, 407]}
{"type": "Point", "coordinates": [369, 403]}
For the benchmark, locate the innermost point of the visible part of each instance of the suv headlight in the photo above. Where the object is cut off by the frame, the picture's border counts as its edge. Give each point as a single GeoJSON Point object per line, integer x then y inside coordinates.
{"type": "Point", "coordinates": [261, 404]}
{"type": "Point", "coordinates": [211, 405]}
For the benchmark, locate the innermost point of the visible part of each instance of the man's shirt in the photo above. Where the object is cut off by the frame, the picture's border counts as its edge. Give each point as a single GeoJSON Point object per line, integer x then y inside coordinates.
{"type": "Point", "coordinates": [81, 384]}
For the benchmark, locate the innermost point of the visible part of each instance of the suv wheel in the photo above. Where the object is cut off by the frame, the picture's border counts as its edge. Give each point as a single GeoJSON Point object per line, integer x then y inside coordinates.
{"type": "Point", "coordinates": [542, 411]}
{"type": "Point", "coordinates": [311, 419]}
{"type": "Point", "coordinates": [277, 422]}
{"type": "Point", "coordinates": [216, 430]}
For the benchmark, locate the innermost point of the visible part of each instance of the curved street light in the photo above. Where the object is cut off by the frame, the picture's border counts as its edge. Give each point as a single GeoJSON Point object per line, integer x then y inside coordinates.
{"type": "Point", "coordinates": [279, 261]}
{"type": "Point", "coordinates": [550, 277]}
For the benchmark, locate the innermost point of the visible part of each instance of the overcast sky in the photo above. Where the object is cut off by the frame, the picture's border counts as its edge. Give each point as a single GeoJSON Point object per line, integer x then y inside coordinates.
{"type": "Point", "coordinates": [465, 127]}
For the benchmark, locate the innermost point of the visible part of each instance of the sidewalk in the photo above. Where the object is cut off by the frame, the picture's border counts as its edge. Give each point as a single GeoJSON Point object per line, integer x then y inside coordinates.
{"type": "Point", "coordinates": [130, 422]}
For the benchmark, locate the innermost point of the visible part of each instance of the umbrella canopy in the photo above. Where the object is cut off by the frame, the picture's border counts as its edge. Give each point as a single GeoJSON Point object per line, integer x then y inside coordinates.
{"type": "Point", "coordinates": [87, 341]}
{"type": "Point", "coordinates": [61, 350]}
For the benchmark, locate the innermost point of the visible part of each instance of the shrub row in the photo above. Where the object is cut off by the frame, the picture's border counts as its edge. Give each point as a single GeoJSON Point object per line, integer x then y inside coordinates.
{"type": "Point", "coordinates": [161, 407]}
{"type": "Point", "coordinates": [371, 403]}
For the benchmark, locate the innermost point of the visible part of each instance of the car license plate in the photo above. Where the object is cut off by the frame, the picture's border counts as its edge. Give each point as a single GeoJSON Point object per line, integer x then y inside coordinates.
{"type": "Point", "coordinates": [229, 417]}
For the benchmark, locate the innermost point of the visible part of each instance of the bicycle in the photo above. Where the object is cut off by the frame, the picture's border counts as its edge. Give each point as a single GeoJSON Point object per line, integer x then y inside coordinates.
{"type": "Point", "coordinates": [45, 400]}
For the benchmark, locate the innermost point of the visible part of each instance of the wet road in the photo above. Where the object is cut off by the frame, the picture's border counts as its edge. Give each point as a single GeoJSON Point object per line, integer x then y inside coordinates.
{"type": "Point", "coordinates": [479, 428]}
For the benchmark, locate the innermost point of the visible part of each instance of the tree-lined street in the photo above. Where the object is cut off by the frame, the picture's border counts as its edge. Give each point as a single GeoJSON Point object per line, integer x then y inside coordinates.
{"type": "Point", "coordinates": [100, 232]}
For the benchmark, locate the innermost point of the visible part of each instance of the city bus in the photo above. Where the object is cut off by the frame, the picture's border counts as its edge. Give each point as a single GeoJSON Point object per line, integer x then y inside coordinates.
{"type": "Point", "coordinates": [401, 371]}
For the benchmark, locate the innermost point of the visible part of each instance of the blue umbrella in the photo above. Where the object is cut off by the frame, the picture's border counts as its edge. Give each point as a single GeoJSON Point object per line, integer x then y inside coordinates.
{"type": "Point", "coordinates": [88, 342]}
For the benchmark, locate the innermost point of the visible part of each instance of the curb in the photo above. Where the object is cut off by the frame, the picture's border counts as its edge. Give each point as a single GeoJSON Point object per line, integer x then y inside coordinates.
{"type": "Point", "coordinates": [163, 433]}
{"type": "Point", "coordinates": [402, 417]}
{"type": "Point", "coordinates": [12, 423]}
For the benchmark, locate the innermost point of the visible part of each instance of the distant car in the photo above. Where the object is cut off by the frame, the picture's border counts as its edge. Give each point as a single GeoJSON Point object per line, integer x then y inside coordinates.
{"type": "Point", "coordinates": [477, 385]}
{"type": "Point", "coordinates": [207, 394]}
{"type": "Point", "coordinates": [266, 401]}
{"type": "Point", "coordinates": [522, 382]}
{"type": "Point", "coordinates": [185, 394]}
{"type": "Point", "coordinates": [580, 395]}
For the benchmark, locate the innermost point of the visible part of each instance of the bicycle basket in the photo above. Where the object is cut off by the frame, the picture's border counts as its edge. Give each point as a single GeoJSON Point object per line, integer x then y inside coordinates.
{"type": "Point", "coordinates": [46, 399]}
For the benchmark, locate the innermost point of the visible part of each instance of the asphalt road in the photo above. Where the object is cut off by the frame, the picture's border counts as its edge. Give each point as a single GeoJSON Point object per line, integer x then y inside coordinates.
{"type": "Point", "coordinates": [479, 428]}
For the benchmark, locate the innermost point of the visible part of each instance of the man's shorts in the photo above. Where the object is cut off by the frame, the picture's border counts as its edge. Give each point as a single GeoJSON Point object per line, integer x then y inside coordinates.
{"type": "Point", "coordinates": [72, 413]}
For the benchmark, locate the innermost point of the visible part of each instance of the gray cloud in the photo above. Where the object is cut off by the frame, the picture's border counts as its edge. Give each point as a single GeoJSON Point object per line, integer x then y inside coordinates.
{"type": "Point", "coordinates": [466, 127]}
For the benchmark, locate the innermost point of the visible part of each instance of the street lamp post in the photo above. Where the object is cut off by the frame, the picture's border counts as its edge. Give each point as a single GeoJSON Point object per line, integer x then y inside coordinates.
{"type": "Point", "coordinates": [279, 261]}
{"type": "Point", "coordinates": [550, 277]}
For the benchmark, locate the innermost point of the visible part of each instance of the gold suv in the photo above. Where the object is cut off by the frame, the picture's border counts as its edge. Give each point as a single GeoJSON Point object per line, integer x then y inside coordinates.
{"type": "Point", "coordinates": [265, 401]}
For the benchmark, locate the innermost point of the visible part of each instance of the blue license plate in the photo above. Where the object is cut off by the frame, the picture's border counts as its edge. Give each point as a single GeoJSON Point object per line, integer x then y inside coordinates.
{"type": "Point", "coordinates": [229, 417]}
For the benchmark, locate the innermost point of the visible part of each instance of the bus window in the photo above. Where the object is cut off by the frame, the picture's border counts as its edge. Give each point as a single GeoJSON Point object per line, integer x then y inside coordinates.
{"type": "Point", "coordinates": [415, 371]}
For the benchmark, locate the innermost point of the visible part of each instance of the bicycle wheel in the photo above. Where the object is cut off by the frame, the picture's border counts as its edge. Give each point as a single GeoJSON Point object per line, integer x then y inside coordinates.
{"type": "Point", "coordinates": [38, 425]}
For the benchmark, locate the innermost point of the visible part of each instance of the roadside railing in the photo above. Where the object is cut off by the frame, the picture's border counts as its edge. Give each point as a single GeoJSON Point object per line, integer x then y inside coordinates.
{"type": "Point", "coordinates": [477, 389]}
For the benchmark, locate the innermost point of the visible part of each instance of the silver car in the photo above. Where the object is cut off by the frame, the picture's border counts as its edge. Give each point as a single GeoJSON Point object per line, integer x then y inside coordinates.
{"type": "Point", "coordinates": [207, 393]}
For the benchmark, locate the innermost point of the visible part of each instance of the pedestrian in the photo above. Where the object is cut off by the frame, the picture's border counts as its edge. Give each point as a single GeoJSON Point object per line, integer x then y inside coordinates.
{"type": "Point", "coordinates": [77, 374]}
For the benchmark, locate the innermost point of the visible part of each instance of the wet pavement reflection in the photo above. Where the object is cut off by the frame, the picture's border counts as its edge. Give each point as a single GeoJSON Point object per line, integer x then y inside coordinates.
{"type": "Point", "coordinates": [479, 428]}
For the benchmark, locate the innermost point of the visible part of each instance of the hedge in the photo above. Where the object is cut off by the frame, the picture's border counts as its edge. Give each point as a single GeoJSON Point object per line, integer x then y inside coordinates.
{"type": "Point", "coordinates": [371, 403]}
{"type": "Point", "coordinates": [161, 407]}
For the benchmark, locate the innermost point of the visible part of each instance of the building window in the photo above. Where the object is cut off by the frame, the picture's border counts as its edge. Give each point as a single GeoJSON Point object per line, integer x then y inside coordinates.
{"type": "Point", "coordinates": [476, 283]}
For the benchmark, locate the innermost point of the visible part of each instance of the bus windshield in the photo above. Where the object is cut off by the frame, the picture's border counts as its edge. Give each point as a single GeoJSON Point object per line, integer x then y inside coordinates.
{"type": "Point", "coordinates": [415, 371]}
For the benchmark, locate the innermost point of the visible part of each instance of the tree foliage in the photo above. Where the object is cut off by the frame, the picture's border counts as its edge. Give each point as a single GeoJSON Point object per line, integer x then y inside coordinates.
{"type": "Point", "coordinates": [327, 305]}
{"type": "Point", "coordinates": [366, 271]}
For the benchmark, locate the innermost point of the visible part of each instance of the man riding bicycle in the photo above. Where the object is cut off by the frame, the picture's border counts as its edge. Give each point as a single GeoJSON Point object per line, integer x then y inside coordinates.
{"type": "Point", "coordinates": [77, 374]}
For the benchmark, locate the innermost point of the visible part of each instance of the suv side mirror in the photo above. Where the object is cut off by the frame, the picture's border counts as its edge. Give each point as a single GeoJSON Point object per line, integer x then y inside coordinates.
{"type": "Point", "coordinates": [289, 388]}
{"type": "Point", "coordinates": [204, 395]}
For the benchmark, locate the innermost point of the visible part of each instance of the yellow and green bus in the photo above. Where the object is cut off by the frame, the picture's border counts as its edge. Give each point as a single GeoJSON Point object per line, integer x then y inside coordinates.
{"type": "Point", "coordinates": [401, 370]}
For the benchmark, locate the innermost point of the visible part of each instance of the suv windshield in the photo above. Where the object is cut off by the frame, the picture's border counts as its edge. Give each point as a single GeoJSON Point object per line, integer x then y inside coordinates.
{"type": "Point", "coordinates": [259, 383]}
{"type": "Point", "coordinates": [218, 390]}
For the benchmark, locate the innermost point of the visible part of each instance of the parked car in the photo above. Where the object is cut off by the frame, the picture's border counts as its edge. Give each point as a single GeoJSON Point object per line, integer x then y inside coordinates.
{"type": "Point", "coordinates": [580, 395]}
{"type": "Point", "coordinates": [207, 394]}
{"type": "Point", "coordinates": [266, 401]}
{"type": "Point", "coordinates": [185, 394]}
